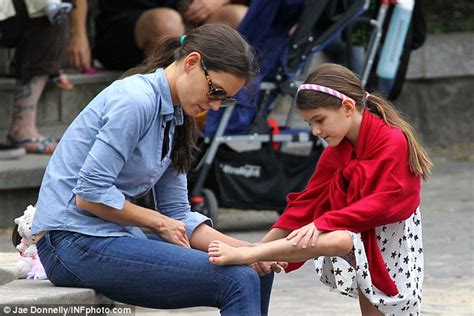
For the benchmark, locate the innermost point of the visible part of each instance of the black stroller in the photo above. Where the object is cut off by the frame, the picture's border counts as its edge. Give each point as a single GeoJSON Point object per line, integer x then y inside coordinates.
{"type": "Point", "coordinates": [260, 179]}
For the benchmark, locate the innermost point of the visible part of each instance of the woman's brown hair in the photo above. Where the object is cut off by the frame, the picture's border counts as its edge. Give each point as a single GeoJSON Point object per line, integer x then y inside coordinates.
{"type": "Point", "coordinates": [343, 80]}
{"type": "Point", "coordinates": [223, 49]}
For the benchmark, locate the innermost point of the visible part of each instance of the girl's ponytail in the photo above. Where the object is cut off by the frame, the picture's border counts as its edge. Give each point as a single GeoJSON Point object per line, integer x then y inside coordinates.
{"type": "Point", "coordinates": [420, 163]}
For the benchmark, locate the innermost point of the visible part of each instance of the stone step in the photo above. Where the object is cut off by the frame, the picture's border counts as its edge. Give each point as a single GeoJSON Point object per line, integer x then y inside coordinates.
{"type": "Point", "coordinates": [35, 292]}
{"type": "Point", "coordinates": [19, 183]}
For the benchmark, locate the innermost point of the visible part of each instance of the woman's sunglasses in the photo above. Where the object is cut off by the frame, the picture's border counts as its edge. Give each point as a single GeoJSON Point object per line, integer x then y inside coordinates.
{"type": "Point", "coordinates": [216, 94]}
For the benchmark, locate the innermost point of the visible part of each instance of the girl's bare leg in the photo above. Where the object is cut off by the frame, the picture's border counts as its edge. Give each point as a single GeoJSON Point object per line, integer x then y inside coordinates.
{"type": "Point", "coordinates": [366, 308]}
{"type": "Point", "coordinates": [335, 243]}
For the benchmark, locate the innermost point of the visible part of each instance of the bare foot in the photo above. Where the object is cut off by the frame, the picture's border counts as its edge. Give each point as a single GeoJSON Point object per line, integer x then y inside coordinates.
{"type": "Point", "coordinates": [222, 254]}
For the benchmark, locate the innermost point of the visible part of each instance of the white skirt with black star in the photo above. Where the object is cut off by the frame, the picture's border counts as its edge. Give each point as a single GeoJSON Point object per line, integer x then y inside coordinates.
{"type": "Point", "coordinates": [402, 250]}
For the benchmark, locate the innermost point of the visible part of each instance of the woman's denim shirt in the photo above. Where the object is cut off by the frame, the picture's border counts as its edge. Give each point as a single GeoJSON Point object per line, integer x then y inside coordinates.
{"type": "Point", "coordinates": [113, 151]}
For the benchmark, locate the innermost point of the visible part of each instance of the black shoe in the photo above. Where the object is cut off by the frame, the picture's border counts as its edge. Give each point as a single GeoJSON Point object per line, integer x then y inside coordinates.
{"type": "Point", "coordinates": [11, 152]}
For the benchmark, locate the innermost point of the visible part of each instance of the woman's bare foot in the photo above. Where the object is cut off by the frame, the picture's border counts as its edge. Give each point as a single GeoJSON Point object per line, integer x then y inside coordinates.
{"type": "Point", "coordinates": [222, 254]}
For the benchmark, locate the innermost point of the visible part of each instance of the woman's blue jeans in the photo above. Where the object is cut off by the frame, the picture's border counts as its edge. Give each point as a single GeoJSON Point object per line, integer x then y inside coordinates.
{"type": "Point", "coordinates": [152, 273]}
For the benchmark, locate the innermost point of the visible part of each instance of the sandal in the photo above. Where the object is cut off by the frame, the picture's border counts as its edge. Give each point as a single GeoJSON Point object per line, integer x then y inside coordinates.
{"type": "Point", "coordinates": [41, 146]}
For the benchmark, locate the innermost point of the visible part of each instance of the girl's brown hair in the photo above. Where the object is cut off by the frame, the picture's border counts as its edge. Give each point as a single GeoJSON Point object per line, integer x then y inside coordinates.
{"type": "Point", "coordinates": [343, 80]}
{"type": "Point", "coordinates": [223, 49]}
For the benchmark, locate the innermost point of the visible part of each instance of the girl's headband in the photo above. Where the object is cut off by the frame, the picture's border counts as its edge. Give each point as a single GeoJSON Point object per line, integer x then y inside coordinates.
{"type": "Point", "coordinates": [323, 89]}
{"type": "Point", "coordinates": [181, 39]}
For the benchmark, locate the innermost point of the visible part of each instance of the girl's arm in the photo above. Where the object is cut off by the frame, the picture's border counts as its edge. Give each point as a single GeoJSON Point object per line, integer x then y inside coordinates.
{"type": "Point", "coordinates": [167, 228]}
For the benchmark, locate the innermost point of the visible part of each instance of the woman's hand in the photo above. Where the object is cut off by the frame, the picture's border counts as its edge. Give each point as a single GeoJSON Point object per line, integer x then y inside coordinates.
{"type": "Point", "coordinates": [264, 268]}
{"type": "Point", "coordinates": [173, 231]}
{"type": "Point", "coordinates": [304, 236]}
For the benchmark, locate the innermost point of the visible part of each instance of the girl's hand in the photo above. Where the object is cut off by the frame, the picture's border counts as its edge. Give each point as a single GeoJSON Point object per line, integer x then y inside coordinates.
{"type": "Point", "coordinates": [173, 231]}
{"type": "Point", "coordinates": [304, 236]}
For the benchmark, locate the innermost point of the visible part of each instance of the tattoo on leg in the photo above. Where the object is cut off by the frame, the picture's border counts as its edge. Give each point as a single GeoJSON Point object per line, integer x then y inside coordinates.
{"type": "Point", "coordinates": [18, 111]}
{"type": "Point", "coordinates": [24, 89]}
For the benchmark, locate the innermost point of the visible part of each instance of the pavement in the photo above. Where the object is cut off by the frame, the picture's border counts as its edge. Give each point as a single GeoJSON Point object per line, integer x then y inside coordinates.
{"type": "Point", "coordinates": [447, 215]}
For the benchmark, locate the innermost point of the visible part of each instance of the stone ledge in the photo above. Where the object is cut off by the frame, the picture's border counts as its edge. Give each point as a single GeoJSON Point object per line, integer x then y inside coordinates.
{"type": "Point", "coordinates": [25, 172]}
{"type": "Point", "coordinates": [102, 76]}
{"type": "Point", "coordinates": [443, 56]}
{"type": "Point", "coordinates": [35, 292]}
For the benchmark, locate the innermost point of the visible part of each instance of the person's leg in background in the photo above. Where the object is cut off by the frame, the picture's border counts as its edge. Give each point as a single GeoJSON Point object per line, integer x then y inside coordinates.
{"type": "Point", "coordinates": [230, 14]}
{"type": "Point", "coordinates": [39, 52]}
{"type": "Point", "coordinates": [156, 23]}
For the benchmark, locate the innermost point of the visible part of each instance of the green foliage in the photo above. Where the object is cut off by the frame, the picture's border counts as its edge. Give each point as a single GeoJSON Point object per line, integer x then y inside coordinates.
{"type": "Point", "coordinates": [445, 16]}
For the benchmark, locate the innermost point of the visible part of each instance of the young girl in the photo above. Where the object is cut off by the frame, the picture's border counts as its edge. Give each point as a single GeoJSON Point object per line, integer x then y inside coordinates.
{"type": "Point", "coordinates": [137, 135]}
{"type": "Point", "coordinates": [358, 216]}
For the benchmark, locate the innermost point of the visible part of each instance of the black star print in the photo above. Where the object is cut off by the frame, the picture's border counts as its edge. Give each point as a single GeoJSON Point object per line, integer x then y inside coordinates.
{"type": "Point", "coordinates": [332, 271]}
{"type": "Point", "coordinates": [383, 249]}
{"type": "Point", "coordinates": [407, 274]}
{"type": "Point", "coordinates": [350, 269]}
{"type": "Point", "coordinates": [334, 259]}
{"type": "Point", "coordinates": [417, 222]}
{"type": "Point", "coordinates": [360, 251]}
{"type": "Point", "coordinates": [420, 250]}
{"type": "Point", "coordinates": [381, 301]}
{"type": "Point", "coordinates": [394, 254]}
{"type": "Point", "coordinates": [317, 270]}
{"type": "Point", "coordinates": [400, 241]}
{"type": "Point", "coordinates": [419, 269]}
{"type": "Point", "coordinates": [384, 228]}
{"type": "Point", "coordinates": [410, 235]}
{"type": "Point", "coordinates": [364, 274]}
{"type": "Point", "coordinates": [400, 296]}
{"type": "Point", "coordinates": [412, 249]}
{"type": "Point", "coordinates": [394, 275]}
{"type": "Point", "coordinates": [378, 237]}
{"type": "Point", "coordinates": [414, 293]}
{"type": "Point", "coordinates": [357, 267]}
{"type": "Point", "coordinates": [384, 241]}
{"type": "Point", "coordinates": [340, 282]}
{"type": "Point", "coordinates": [416, 237]}
{"type": "Point", "coordinates": [400, 270]}
{"type": "Point", "coordinates": [403, 308]}
{"type": "Point", "coordinates": [367, 290]}
{"type": "Point", "coordinates": [396, 263]}
{"type": "Point", "coordinates": [404, 237]}
{"type": "Point", "coordinates": [365, 265]}
{"type": "Point", "coordinates": [408, 285]}
{"type": "Point", "coordinates": [388, 270]}
{"type": "Point", "coordinates": [406, 259]}
{"type": "Point", "coordinates": [338, 271]}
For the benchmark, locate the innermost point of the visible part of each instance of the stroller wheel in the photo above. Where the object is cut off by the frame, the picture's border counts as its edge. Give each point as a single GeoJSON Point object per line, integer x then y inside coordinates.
{"type": "Point", "coordinates": [210, 207]}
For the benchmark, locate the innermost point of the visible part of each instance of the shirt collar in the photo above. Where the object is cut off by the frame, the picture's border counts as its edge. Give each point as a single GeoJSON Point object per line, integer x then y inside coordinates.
{"type": "Point", "coordinates": [164, 93]}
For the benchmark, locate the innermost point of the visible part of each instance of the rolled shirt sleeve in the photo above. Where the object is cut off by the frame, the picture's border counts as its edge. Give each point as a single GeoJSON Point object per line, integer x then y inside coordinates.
{"type": "Point", "coordinates": [124, 119]}
{"type": "Point", "coordinates": [171, 199]}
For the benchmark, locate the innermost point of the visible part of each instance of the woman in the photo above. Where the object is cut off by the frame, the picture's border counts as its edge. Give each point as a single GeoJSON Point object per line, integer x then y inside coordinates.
{"type": "Point", "coordinates": [136, 135]}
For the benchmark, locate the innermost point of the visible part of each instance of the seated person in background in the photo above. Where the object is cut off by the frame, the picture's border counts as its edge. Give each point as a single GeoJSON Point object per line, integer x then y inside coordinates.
{"type": "Point", "coordinates": [40, 48]}
{"type": "Point", "coordinates": [126, 30]}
